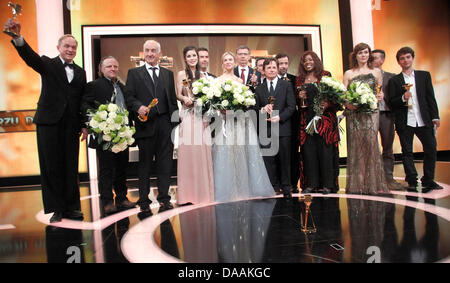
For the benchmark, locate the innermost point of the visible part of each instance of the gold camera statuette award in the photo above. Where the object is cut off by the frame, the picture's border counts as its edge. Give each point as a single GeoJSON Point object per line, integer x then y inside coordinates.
{"type": "Point", "coordinates": [409, 101]}
{"type": "Point", "coordinates": [306, 219]}
{"type": "Point", "coordinates": [302, 100]}
{"type": "Point", "coordinates": [16, 10]}
{"type": "Point", "coordinates": [152, 104]}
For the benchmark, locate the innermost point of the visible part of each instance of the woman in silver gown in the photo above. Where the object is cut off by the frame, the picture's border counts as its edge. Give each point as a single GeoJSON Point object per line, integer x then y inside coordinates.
{"type": "Point", "coordinates": [239, 170]}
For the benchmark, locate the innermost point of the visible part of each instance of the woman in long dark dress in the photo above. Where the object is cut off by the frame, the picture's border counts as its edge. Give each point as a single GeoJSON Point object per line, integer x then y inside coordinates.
{"type": "Point", "coordinates": [319, 153]}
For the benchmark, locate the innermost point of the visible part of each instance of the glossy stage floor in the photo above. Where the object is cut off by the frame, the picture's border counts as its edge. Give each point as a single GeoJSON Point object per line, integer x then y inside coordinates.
{"type": "Point", "coordinates": [404, 227]}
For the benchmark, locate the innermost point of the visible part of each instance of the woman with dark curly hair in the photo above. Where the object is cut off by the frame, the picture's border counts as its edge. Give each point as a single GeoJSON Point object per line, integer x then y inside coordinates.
{"type": "Point", "coordinates": [319, 152]}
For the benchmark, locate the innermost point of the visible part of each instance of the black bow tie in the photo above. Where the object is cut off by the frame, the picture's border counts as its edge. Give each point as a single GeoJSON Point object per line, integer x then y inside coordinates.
{"type": "Point", "coordinates": [68, 65]}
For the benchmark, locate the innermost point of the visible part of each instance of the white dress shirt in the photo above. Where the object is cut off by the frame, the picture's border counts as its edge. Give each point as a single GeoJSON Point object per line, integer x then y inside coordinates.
{"type": "Point", "coordinates": [275, 81]}
{"type": "Point", "coordinates": [149, 70]}
{"type": "Point", "coordinates": [69, 71]}
{"type": "Point", "coordinates": [414, 118]}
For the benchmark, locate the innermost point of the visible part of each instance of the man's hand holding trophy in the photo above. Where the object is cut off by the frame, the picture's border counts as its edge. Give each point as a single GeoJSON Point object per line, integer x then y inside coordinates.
{"type": "Point", "coordinates": [12, 27]}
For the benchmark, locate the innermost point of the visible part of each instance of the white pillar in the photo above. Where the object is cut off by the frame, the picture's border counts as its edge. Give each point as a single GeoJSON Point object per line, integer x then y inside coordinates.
{"type": "Point", "coordinates": [50, 26]}
{"type": "Point", "coordinates": [362, 29]}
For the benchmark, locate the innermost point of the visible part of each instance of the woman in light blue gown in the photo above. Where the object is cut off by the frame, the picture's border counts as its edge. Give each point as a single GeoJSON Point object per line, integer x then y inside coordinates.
{"type": "Point", "coordinates": [239, 170]}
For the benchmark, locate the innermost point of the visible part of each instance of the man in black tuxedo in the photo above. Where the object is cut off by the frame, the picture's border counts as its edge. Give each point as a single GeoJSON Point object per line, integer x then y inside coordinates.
{"type": "Point", "coordinates": [203, 61]}
{"type": "Point", "coordinates": [283, 66]}
{"type": "Point", "coordinates": [243, 71]}
{"type": "Point", "coordinates": [153, 137]}
{"type": "Point", "coordinates": [420, 119]}
{"type": "Point", "coordinates": [386, 128]}
{"type": "Point", "coordinates": [112, 166]}
{"type": "Point", "coordinates": [279, 165]}
{"type": "Point", "coordinates": [58, 123]}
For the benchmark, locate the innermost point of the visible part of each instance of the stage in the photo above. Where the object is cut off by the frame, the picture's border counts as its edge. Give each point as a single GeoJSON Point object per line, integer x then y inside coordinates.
{"type": "Point", "coordinates": [402, 227]}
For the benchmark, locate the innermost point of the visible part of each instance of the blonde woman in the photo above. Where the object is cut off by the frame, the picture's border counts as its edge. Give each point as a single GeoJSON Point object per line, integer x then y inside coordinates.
{"type": "Point", "coordinates": [239, 170]}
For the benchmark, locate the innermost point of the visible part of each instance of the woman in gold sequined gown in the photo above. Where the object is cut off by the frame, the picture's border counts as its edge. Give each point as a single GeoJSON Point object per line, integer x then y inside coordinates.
{"type": "Point", "coordinates": [364, 164]}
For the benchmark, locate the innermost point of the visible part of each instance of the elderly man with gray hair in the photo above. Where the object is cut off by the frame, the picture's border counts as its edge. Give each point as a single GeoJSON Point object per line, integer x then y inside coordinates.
{"type": "Point", "coordinates": [153, 137]}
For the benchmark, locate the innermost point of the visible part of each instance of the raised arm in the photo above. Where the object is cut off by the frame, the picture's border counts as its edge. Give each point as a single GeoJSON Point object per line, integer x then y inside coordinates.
{"type": "Point", "coordinates": [28, 55]}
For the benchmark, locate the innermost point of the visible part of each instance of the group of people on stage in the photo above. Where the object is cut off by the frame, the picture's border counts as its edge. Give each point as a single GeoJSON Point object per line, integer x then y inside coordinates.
{"type": "Point", "coordinates": [227, 171]}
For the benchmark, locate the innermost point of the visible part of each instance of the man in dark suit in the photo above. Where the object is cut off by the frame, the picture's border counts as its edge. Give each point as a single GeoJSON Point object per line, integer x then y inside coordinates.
{"type": "Point", "coordinates": [153, 137]}
{"type": "Point", "coordinates": [421, 118]}
{"type": "Point", "coordinates": [259, 67]}
{"type": "Point", "coordinates": [203, 61]}
{"type": "Point", "coordinates": [243, 71]}
{"type": "Point", "coordinates": [58, 123]}
{"type": "Point", "coordinates": [112, 166]}
{"type": "Point", "coordinates": [279, 165]}
{"type": "Point", "coordinates": [283, 67]}
{"type": "Point", "coordinates": [386, 128]}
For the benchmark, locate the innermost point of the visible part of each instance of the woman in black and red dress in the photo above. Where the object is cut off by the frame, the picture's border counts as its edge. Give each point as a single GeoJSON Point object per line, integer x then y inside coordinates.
{"type": "Point", "coordinates": [319, 153]}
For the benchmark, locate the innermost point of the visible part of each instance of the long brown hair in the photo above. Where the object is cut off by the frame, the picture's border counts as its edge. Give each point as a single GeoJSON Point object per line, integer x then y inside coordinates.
{"type": "Point", "coordinates": [318, 67]}
{"type": "Point", "coordinates": [359, 47]}
{"type": "Point", "coordinates": [187, 68]}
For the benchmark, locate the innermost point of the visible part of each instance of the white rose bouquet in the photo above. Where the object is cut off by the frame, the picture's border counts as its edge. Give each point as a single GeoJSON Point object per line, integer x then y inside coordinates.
{"type": "Point", "coordinates": [207, 92]}
{"type": "Point", "coordinates": [331, 90]}
{"type": "Point", "coordinates": [110, 126]}
{"type": "Point", "coordinates": [213, 95]}
{"type": "Point", "coordinates": [236, 96]}
{"type": "Point", "coordinates": [362, 97]}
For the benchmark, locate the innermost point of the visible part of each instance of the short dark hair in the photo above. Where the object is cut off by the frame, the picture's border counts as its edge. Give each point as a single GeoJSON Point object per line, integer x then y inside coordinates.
{"type": "Point", "coordinates": [259, 59]}
{"type": "Point", "coordinates": [243, 47]}
{"type": "Point", "coordinates": [267, 62]}
{"type": "Point", "coordinates": [403, 51]}
{"type": "Point", "coordinates": [202, 49]}
{"type": "Point", "coordinates": [381, 51]}
{"type": "Point", "coordinates": [281, 55]}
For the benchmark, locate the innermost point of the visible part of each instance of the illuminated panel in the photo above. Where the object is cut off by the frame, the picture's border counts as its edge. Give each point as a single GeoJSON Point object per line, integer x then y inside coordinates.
{"type": "Point", "coordinates": [17, 121]}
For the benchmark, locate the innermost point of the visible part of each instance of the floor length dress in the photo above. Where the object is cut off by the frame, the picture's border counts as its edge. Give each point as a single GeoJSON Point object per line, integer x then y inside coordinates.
{"type": "Point", "coordinates": [364, 163]}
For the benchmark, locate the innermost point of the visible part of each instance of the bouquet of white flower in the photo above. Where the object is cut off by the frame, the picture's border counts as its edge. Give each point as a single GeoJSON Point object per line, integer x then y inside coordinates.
{"type": "Point", "coordinates": [236, 96]}
{"type": "Point", "coordinates": [207, 92]}
{"type": "Point", "coordinates": [213, 95]}
{"type": "Point", "coordinates": [331, 90]}
{"type": "Point", "coordinates": [110, 126]}
{"type": "Point", "coordinates": [362, 97]}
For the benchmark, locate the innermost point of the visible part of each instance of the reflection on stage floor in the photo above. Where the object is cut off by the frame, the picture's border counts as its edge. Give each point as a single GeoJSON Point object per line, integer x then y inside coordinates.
{"type": "Point", "coordinates": [402, 227]}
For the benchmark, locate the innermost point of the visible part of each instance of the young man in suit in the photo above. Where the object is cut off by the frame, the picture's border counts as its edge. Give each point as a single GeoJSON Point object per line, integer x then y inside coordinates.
{"type": "Point", "coordinates": [58, 123]}
{"type": "Point", "coordinates": [279, 165]}
{"type": "Point", "coordinates": [243, 71]}
{"type": "Point", "coordinates": [153, 137]}
{"type": "Point", "coordinates": [386, 128]}
{"type": "Point", "coordinates": [283, 67]}
{"type": "Point", "coordinates": [420, 119]}
{"type": "Point", "coordinates": [112, 166]}
{"type": "Point", "coordinates": [203, 61]}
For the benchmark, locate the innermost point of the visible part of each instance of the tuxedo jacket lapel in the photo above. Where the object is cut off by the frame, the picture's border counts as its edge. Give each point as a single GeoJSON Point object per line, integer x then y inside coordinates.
{"type": "Point", "coordinates": [277, 95]}
{"type": "Point", "coordinates": [60, 71]}
{"type": "Point", "coordinates": [145, 76]}
{"type": "Point", "coordinates": [77, 74]}
{"type": "Point", "coordinates": [266, 93]}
